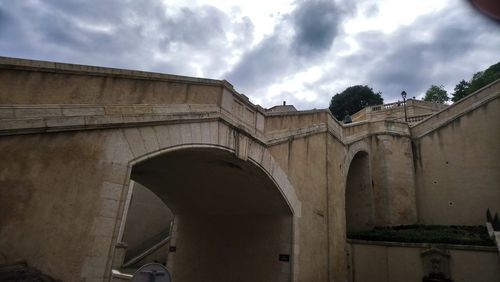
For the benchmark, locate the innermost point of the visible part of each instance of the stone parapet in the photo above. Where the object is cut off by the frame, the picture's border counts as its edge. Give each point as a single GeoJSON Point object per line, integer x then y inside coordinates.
{"type": "Point", "coordinates": [46, 66]}
{"type": "Point", "coordinates": [473, 101]}
{"type": "Point", "coordinates": [356, 131]}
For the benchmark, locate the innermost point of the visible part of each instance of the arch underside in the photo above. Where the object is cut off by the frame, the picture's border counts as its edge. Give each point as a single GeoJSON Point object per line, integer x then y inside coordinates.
{"type": "Point", "coordinates": [211, 182]}
{"type": "Point", "coordinates": [230, 218]}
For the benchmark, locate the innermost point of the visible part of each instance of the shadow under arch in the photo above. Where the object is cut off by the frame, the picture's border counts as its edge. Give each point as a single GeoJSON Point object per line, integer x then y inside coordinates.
{"type": "Point", "coordinates": [359, 205]}
{"type": "Point", "coordinates": [232, 218]}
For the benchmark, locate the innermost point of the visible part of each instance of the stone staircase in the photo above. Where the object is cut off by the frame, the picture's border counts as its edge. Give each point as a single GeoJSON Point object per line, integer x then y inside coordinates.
{"type": "Point", "coordinates": [148, 247]}
{"type": "Point", "coordinates": [132, 259]}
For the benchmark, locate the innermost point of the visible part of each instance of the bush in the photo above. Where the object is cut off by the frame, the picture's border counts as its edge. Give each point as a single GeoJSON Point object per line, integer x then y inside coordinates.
{"type": "Point", "coordinates": [461, 235]}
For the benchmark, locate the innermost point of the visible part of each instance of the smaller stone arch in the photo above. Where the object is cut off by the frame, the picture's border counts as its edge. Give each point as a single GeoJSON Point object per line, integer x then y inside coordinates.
{"type": "Point", "coordinates": [354, 148]}
{"type": "Point", "coordinates": [359, 203]}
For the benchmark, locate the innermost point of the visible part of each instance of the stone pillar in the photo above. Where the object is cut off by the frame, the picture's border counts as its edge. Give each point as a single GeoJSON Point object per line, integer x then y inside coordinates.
{"type": "Point", "coordinates": [393, 181]}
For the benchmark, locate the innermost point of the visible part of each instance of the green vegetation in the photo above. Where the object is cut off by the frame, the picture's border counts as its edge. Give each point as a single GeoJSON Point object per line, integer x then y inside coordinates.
{"type": "Point", "coordinates": [357, 97]}
{"type": "Point", "coordinates": [460, 235]}
{"type": "Point", "coordinates": [478, 80]}
{"type": "Point", "coordinates": [353, 99]}
{"type": "Point", "coordinates": [436, 94]}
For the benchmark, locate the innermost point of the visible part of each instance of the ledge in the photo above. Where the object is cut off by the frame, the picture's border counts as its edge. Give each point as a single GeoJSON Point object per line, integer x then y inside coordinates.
{"type": "Point", "coordinates": [71, 123]}
{"type": "Point", "coordinates": [46, 66]}
{"type": "Point", "coordinates": [424, 245]}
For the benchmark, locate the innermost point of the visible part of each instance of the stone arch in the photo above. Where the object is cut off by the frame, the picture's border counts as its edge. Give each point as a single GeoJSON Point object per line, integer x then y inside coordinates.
{"type": "Point", "coordinates": [354, 148]}
{"type": "Point", "coordinates": [359, 203]}
{"type": "Point", "coordinates": [210, 135]}
{"type": "Point", "coordinates": [144, 143]}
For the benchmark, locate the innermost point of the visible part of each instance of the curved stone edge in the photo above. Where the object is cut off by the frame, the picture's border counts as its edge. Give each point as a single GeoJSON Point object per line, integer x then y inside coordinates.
{"type": "Point", "coordinates": [132, 145]}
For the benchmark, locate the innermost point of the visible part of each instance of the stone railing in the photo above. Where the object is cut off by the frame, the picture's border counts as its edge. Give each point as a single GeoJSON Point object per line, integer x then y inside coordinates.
{"type": "Point", "coordinates": [356, 131]}
{"type": "Point", "coordinates": [408, 103]}
{"type": "Point", "coordinates": [415, 119]}
{"type": "Point", "coordinates": [462, 107]}
{"type": "Point", "coordinates": [387, 106]}
{"type": "Point", "coordinates": [393, 105]}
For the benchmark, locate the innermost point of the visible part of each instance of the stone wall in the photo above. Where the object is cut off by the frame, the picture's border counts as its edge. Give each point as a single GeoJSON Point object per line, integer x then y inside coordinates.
{"type": "Point", "coordinates": [68, 156]}
{"type": "Point", "coordinates": [457, 163]}
{"type": "Point", "coordinates": [393, 180]}
{"type": "Point", "coordinates": [51, 192]}
{"type": "Point", "coordinates": [237, 248]}
{"type": "Point", "coordinates": [395, 262]}
{"type": "Point", "coordinates": [37, 82]}
{"type": "Point", "coordinates": [303, 160]}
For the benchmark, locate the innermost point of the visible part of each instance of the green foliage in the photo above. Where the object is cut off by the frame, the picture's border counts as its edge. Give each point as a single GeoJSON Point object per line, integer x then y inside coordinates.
{"type": "Point", "coordinates": [461, 90]}
{"type": "Point", "coordinates": [462, 235]}
{"type": "Point", "coordinates": [436, 94]}
{"type": "Point", "coordinates": [479, 80]}
{"type": "Point", "coordinates": [353, 99]}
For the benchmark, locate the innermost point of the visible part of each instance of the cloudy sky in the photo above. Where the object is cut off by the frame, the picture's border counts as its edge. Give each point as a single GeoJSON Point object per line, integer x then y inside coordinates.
{"type": "Point", "coordinates": [301, 51]}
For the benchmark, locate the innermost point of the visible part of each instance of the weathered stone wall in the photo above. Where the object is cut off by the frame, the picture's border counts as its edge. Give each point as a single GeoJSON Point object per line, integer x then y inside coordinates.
{"type": "Point", "coordinates": [395, 262]}
{"type": "Point", "coordinates": [50, 192]}
{"type": "Point", "coordinates": [458, 167]}
{"type": "Point", "coordinates": [66, 167]}
{"type": "Point", "coordinates": [234, 248]}
{"type": "Point", "coordinates": [64, 197]}
{"type": "Point", "coordinates": [391, 165]}
{"type": "Point", "coordinates": [304, 159]}
{"type": "Point", "coordinates": [52, 83]}
{"type": "Point", "coordinates": [393, 180]}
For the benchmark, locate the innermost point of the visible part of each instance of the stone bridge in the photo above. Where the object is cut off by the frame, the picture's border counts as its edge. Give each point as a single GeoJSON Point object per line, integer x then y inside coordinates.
{"type": "Point", "coordinates": [246, 185]}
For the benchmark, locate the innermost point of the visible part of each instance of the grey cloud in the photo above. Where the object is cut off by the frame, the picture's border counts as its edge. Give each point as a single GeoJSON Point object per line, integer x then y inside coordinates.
{"type": "Point", "coordinates": [196, 27]}
{"type": "Point", "coordinates": [99, 12]}
{"type": "Point", "coordinates": [142, 34]}
{"type": "Point", "coordinates": [4, 19]}
{"type": "Point", "coordinates": [439, 48]}
{"type": "Point", "coordinates": [64, 32]}
{"type": "Point", "coordinates": [261, 65]}
{"type": "Point", "coordinates": [315, 24]}
{"type": "Point", "coordinates": [371, 11]}
{"type": "Point", "coordinates": [413, 64]}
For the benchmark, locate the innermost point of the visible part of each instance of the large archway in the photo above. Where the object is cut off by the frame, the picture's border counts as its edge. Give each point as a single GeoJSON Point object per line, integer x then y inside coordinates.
{"type": "Point", "coordinates": [359, 194]}
{"type": "Point", "coordinates": [231, 221]}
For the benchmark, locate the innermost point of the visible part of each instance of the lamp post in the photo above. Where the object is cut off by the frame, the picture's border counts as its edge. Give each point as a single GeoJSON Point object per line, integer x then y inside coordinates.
{"type": "Point", "coordinates": [403, 94]}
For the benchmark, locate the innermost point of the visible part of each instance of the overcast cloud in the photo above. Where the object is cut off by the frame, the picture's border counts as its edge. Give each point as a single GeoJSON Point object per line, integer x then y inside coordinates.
{"type": "Point", "coordinates": [299, 51]}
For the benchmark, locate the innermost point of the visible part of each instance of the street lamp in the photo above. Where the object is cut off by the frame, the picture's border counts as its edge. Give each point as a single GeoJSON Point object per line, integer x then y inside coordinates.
{"type": "Point", "coordinates": [403, 94]}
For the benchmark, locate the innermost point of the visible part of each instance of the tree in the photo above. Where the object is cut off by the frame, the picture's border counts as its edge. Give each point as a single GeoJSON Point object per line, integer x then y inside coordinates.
{"type": "Point", "coordinates": [461, 90]}
{"type": "Point", "coordinates": [353, 99]}
{"type": "Point", "coordinates": [436, 94]}
{"type": "Point", "coordinates": [479, 80]}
